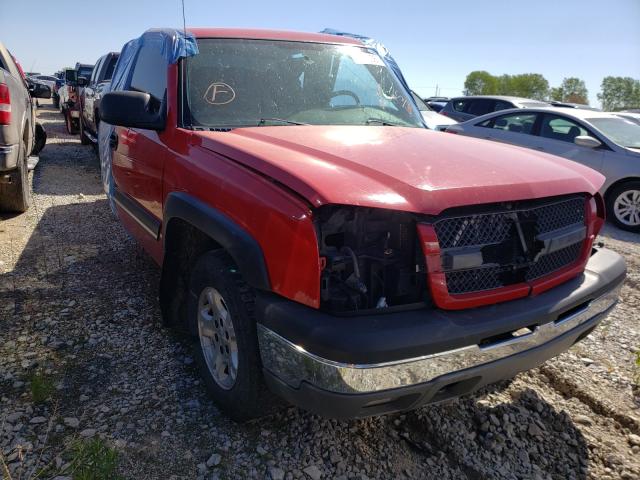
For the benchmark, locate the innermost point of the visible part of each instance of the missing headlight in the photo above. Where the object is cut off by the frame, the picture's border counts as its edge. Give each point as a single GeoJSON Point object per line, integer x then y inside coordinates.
{"type": "Point", "coordinates": [371, 257]}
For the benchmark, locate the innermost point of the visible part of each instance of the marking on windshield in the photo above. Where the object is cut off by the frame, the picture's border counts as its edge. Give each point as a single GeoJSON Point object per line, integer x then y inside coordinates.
{"type": "Point", "coordinates": [219, 93]}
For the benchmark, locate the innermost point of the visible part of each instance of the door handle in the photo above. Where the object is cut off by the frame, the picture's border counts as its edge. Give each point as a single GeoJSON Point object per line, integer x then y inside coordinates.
{"type": "Point", "coordinates": [113, 141]}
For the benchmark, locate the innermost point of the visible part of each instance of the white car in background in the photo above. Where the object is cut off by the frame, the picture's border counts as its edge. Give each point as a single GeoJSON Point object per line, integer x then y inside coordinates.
{"type": "Point", "coordinates": [432, 119]}
{"type": "Point", "coordinates": [605, 142]}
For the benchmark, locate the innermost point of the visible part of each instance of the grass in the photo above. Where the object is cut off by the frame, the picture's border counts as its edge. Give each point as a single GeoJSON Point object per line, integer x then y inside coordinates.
{"type": "Point", "coordinates": [92, 460]}
{"type": "Point", "coordinates": [637, 362]}
{"type": "Point", "coordinates": [42, 388]}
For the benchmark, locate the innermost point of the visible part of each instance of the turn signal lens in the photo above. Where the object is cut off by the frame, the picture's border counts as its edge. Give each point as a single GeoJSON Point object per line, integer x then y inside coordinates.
{"type": "Point", "coordinates": [5, 105]}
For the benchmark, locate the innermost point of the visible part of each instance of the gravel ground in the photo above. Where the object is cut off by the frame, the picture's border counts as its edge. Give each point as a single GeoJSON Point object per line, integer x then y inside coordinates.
{"type": "Point", "coordinates": [79, 321]}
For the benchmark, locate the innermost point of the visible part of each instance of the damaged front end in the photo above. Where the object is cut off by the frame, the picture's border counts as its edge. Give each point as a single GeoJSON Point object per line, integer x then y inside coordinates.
{"type": "Point", "coordinates": [370, 259]}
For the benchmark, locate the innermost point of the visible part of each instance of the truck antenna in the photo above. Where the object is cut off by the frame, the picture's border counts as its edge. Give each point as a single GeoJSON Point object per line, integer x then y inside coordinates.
{"type": "Point", "coordinates": [183, 66]}
{"type": "Point", "coordinates": [184, 23]}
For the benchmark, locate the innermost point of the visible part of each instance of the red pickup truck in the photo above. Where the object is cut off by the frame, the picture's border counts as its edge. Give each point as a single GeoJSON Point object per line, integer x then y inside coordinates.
{"type": "Point", "coordinates": [319, 243]}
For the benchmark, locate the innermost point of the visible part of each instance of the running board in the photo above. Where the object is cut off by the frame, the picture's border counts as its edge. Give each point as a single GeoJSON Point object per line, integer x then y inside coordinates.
{"type": "Point", "coordinates": [32, 161]}
{"type": "Point", "coordinates": [91, 137]}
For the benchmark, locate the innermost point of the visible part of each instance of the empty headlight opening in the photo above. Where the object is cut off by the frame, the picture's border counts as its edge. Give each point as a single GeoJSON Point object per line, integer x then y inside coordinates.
{"type": "Point", "coordinates": [371, 260]}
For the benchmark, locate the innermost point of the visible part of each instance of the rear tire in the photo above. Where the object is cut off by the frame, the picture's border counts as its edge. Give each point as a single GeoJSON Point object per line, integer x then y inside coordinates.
{"type": "Point", "coordinates": [72, 129]}
{"type": "Point", "coordinates": [220, 309]}
{"type": "Point", "coordinates": [623, 206]}
{"type": "Point", "coordinates": [16, 196]}
{"type": "Point", "coordinates": [84, 140]}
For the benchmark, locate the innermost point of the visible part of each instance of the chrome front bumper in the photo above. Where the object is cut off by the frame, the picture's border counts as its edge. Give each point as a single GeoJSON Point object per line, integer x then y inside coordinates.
{"type": "Point", "coordinates": [293, 365]}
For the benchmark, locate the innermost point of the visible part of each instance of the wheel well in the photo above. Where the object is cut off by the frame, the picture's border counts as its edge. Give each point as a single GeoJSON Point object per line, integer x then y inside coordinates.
{"type": "Point", "coordinates": [617, 184]}
{"type": "Point", "coordinates": [25, 136]}
{"type": "Point", "coordinates": [184, 243]}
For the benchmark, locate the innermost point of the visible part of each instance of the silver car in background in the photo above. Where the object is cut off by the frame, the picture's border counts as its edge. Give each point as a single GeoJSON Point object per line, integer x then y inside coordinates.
{"type": "Point", "coordinates": [605, 142]}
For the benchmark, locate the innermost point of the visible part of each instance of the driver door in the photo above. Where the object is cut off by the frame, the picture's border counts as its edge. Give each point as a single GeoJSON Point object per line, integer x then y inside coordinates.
{"type": "Point", "coordinates": [140, 154]}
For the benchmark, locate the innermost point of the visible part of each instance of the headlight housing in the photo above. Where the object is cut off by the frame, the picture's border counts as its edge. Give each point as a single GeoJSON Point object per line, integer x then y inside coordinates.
{"type": "Point", "coordinates": [371, 259]}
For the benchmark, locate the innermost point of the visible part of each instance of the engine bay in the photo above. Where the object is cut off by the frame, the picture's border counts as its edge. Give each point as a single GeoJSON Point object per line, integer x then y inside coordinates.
{"type": "Point", "coordinates": [371, 260]}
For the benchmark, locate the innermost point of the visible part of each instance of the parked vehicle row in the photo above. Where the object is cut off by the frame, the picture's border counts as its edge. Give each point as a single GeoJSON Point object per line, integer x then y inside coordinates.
{"type": "Point", "coordinates": [321, 245]}
{"type": "Point", "coordinates": [69, 95]}
{"type": "Point", "coordinates": [21, 137]}
{"type": "Point", "coordinates": [91, 91]}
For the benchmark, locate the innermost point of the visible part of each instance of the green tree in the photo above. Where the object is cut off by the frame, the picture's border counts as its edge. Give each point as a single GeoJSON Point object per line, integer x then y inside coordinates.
{"type": "Point", "coordinates": [575, 91]}
{"type": "Point", "coordinates": [572, 90]}
{"type": "Point", "coordinates": [618, 93]}
{"type": "Point", "coordinates": [556, 93]}
{"type": "Point", "coordinates": [528, 85]}
{"type": "Point", "coordinates": [480, 82]}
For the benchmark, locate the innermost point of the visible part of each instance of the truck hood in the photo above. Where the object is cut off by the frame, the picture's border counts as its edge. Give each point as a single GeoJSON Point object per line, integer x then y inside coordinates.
{"type": "Point", "coordinates": [409, 169]}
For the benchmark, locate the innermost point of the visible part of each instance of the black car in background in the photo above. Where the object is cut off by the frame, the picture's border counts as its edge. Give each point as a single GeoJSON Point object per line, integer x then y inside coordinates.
{"type": "Point", "coordinates": [91, 90]}
{"type": "Point", "coordinates": [462, 109]}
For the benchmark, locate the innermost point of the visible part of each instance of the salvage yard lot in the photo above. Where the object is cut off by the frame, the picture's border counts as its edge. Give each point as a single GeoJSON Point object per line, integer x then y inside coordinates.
{"type": "Point", "coordinates": [84, 358]}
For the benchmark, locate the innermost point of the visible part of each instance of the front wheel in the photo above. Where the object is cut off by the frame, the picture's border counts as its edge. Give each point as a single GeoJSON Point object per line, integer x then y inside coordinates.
{"type": "Point", "coordinates": [221, 317]}
{"type": "Point", "coordinates": [623, 206]}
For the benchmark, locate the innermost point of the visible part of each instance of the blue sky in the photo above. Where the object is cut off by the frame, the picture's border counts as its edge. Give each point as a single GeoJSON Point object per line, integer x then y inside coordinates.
{"type": "Point", "coordinates": [435, 42]}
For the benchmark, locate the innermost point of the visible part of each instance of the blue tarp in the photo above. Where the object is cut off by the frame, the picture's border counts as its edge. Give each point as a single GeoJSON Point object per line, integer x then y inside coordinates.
{"type": "Point", "coordinates": [173, 44]}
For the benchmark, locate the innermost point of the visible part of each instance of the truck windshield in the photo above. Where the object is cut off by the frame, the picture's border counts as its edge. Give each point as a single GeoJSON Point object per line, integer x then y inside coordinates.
{"type": "Point", "coordinates": [239, 82]}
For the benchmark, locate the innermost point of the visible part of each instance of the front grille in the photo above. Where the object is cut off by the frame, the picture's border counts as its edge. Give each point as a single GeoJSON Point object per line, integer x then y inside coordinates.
{"type": "Point", "coordinates": [494, 240]}
{"type": "Point", "coordinates": [554, 261]}
{"type": "Point", "coordinates": [474, 280]}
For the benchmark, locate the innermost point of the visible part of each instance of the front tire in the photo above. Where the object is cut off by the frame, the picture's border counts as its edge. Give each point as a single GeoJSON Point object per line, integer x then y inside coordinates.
{"type": "Point", "coordinates": [16, 195]}
{"type": "Point", "coordinates": [221, 317]}
{"type": "Point", "coordinates": [623, 206]}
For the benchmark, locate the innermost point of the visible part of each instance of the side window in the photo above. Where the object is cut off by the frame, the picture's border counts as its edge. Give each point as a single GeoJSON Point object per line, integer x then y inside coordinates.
{"type": "Point", "coordinates": [514, 122]}
{"type": "Point", "coordinates": [150, 71]}
{"type": "Point", "coordinates": [458, 105]}
{"type": "Point", "coordinates": [480, 106]}
{"type": "Point", "coordinates": [109, 68]}
{"type": "Point", "coordinates": [500, 105]}
{"type": "Point", "coordinates": [96, 69]}
{"type": "Point", "coordinates": [561, 128]}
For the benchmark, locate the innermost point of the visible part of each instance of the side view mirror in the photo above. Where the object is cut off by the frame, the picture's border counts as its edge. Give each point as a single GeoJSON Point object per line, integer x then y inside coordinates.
{"type": "Point", "coordinates": [39, 90]}
{"type": "Point", "coordinates": [587, 141]}
{"type": "Point", "coordinates": [70, 76]}
{"type": "Point", "coordinates": [132, 109]}
{"type": "Point", "coordinates": [82, 81]}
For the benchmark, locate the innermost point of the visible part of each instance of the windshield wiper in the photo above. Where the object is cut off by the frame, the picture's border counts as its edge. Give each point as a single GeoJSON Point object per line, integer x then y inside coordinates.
{"type": "Point", "coordinates": [281, 120]}
{"type": "Point", "coordinates": [382, 122]}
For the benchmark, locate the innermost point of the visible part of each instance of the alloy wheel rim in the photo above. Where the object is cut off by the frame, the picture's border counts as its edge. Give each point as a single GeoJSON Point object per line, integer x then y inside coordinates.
{"type": "Point", "coordinates": [627, 208]}
{"type": "Point", "coordinates": [217, 338]}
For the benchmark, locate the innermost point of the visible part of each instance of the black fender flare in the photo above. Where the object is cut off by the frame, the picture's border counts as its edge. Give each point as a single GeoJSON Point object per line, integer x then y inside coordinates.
{"type": "Point", "coordinates": [241, 246]}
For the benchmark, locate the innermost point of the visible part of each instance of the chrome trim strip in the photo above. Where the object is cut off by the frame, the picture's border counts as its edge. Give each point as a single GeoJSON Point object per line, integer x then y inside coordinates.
{"type": "Point", "coordinates": [6, 149]}
{"type": "Point", "coordinates": [135, 217]}
{"type": "Point", "coordinates": [293, 364]}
